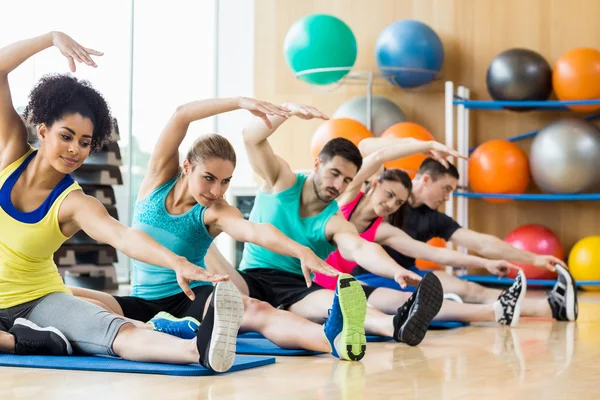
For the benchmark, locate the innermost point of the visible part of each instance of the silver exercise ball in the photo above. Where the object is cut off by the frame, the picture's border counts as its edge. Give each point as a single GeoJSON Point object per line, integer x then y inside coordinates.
{"type": "Point", "coordinates": [384, 113]}
{"type": "Point", "coordinates": [565, 157]}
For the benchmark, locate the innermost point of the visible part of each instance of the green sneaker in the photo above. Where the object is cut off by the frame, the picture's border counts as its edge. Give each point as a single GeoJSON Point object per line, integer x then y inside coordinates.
{"type": "Point", "coordinates": [345, 327]}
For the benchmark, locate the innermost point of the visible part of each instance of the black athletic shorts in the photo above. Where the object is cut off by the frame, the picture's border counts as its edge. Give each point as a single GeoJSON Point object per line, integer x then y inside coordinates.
{"type": "Point", "coordinates": [178, 305]}
{"type": "Point", "coordinates": [281, 289]}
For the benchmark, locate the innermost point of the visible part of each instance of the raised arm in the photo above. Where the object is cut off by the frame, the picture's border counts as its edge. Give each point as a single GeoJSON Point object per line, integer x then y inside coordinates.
{"type": "Point", "coordinates": [13, 134]}
{"type": "Point", "coordinates": [89, 215]}
{"type": "Point", "coordinates": [164, 162]}
{"type": "Point", "coordinates": [492, 247]}
{"type": "Point", "coordinates": [368, 255]}
{"type": "Point", "coordinates": [272, 168]}
{"type": "Point", "coordinates": [377, 151]}
{"type": "Point", "coordinates": [228, 219]}
{"type": "Point", "coordinates": [399, 240]}
{"type": "Point", "coordinates": [387, 149]}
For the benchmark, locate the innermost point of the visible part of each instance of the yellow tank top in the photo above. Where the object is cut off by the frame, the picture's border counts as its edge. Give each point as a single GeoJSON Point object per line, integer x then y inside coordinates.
{"type": "Point", "coordinates": [28, 241]}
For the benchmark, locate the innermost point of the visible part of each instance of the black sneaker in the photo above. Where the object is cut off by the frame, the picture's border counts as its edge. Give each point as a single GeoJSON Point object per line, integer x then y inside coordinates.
{"type": "Point", "coordinates": [508, 306]}
{"type": "Point", "coordinates": [563, 297]}
{"type": "Point", "coordinates": [413, 318]}
{"type": "Point", "coordinates": [216, 337]}
{"type": "Point", "coordinates": [31, 339]}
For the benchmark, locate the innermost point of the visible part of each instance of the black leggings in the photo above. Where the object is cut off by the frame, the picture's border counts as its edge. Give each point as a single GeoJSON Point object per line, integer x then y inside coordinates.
{"type": "Point", "coordinates": [178, 305]}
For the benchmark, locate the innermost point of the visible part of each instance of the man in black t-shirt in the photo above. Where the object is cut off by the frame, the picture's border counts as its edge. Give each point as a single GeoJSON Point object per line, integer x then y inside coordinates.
{"type": "Point", "coordinates": [432, 187]}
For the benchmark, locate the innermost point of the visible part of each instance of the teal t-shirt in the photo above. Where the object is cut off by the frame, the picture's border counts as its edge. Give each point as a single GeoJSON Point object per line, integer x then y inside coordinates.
{"type": "Point", "coordinates": [184, 234]}
{"type": "Point", "coordinates": [282, 210]}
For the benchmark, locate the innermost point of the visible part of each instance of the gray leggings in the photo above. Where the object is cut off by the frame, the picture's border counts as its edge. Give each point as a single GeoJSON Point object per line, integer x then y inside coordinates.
{"type": "Point", "coordinates": [90, 329]}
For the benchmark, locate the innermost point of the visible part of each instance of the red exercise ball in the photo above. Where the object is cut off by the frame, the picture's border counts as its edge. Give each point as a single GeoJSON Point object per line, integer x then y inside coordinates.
{"type": "Point", "coordinates": [536, 239]}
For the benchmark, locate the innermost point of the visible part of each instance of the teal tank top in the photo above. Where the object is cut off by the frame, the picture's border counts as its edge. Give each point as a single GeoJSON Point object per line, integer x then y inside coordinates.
{"type": "Point", "coordinates": [184, 234]}
{"type": "Point", "coordinates": [283, 211]}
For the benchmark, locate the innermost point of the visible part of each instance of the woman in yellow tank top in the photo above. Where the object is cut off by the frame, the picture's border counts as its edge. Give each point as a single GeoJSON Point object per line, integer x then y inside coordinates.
{"type": "Point", "coordinates": [41, 207]}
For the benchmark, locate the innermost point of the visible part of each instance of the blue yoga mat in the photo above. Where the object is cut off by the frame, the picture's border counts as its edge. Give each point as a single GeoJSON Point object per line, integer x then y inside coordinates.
{"type": "Point", "coordinates": [255, 337]}
{"type": "Point", "coordinates": [493, 279]}
{"type": "Point", "coordinates": [379, 281]}
{"type": "Point", "coordinates": [255, 343]}
{"type": "Point", "coordinates": [110, 364]}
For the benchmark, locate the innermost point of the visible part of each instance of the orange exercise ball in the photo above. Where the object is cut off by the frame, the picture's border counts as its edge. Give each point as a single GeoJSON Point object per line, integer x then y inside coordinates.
{"type": "Point", "coordinates": [334, 128]}
{"type": "Point", "coordinates": [426, 265]}
{"type": "Point", "coordinates": [576, 76]}
{"type": "Point", "coordinates": [404, 130]}
{"type": "Point", "coordinates": [499, 166]}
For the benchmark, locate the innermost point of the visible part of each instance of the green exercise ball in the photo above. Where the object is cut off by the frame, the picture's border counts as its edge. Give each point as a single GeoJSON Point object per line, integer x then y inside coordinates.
{"type": "Point", "coordinates": [320, 41]}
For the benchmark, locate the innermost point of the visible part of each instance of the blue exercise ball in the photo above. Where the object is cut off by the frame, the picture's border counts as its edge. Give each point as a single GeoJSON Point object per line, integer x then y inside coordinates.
{"type": "Point", "coordinates": [409, 44]}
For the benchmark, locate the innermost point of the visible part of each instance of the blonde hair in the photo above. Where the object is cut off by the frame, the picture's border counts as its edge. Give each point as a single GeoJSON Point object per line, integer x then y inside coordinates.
{"type": "Point", "coordinates": [210, 146]}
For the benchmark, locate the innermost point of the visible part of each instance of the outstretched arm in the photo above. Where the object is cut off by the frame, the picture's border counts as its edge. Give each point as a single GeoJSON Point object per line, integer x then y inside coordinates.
{"type": "Point", "coordinates": [368, 255]}
{"type": "Point", "coordinates": [492, 247]}
{"type": "Point", "coordinates": [89, 215]}
{"type": "Point", "coordinates": [218, 264]}
{"type": "Point", "coordinates": [164, 162]}
{"type": "Point", "coordinates": [13, 134]}
{"type": "Point", "coordinates": [399, 240]}
{"type": "Point", "coordinates": [230, 220]}
{"type": "Point", "coordinates": [377, 151]}
{"type": "Point", "coordinates": [272, 168]}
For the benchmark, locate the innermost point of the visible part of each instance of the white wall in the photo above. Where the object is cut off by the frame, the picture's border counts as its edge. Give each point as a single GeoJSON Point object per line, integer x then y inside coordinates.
{"type": "Point", "coordinates": [235, 77]}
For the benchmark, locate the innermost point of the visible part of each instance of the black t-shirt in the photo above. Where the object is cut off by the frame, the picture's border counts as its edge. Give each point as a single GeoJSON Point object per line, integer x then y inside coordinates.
{"type": "Point", "coordinates": [422, 224]}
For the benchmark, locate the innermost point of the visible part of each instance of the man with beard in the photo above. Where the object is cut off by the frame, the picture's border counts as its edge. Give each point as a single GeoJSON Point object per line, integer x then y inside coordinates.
{"type": "Point", "coordinates": [304, 208]}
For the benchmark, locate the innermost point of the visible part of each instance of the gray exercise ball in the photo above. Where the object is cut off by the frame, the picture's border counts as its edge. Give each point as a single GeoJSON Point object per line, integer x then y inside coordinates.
{"type": "Point", "coordinates": [384, 113]}
{"type": "Point", "coordinates": [519, 75]}
{"type": "Point", "coordinates": [565, 157]}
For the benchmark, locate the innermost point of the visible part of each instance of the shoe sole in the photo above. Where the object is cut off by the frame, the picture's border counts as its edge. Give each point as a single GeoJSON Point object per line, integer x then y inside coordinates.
{"type": "Point", "coordinates": [31, 325]}
{"type": "Point", "coordinates": [570, 295]}
{"type": "Point", "coordinates": [517, 311]}
{"type": "Point", "coordinates": [229, 312]}
{"type": "Point", "coordinates": [353, 304]}
{"type": "Point", "coordinates": [429, 298]}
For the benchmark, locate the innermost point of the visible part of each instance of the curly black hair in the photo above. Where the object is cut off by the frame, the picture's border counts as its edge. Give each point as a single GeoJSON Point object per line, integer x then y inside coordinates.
{"type": "Point", "coordinates": [57, 95]}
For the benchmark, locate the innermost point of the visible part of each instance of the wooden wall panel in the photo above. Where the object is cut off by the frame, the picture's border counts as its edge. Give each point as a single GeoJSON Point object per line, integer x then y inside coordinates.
{"type": "Point", "coordinates": [473, 32]}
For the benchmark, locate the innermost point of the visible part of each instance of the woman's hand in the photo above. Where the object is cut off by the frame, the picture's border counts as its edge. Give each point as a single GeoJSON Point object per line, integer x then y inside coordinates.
{"type": "Point", "coordinates": [74, 51]}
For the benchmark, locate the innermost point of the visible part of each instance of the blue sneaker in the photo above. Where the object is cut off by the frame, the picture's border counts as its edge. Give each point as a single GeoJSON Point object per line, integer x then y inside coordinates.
{"type": "Point", "coordinates": [345, 327]}
{"type": "Point", "coordinates": [184, 328]}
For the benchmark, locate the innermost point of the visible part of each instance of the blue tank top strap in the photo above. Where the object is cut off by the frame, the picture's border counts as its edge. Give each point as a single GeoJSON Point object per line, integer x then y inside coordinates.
{"type": "Point", "coordinates": [39, 213]}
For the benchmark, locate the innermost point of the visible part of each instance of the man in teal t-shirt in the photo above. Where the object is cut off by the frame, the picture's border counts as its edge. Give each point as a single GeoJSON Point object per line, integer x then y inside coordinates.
{"type": "Point", "coordinates": [304, 208]}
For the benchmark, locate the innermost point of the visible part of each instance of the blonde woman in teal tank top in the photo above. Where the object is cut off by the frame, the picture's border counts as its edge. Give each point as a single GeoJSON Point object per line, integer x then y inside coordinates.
{"type": "Point", "coordinates": [41, 207]}
{"type": "Point", "coordinates": [182, 207]}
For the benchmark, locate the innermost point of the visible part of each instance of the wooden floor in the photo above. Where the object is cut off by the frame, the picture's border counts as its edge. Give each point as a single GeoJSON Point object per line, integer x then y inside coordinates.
{"type": "Point", "coordinates": [537, 360]}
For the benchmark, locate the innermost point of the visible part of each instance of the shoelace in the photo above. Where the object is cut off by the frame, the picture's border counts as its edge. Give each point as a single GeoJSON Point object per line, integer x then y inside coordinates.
{"type": "Point", "coordinates": [31, 345]}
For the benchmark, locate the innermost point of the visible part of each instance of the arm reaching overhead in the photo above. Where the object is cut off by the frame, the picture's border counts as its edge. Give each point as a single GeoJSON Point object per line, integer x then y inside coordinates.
{"type": "Point", "coordinates": [272, 168]}
{"type": "Point", "coordinates": [394, 147]}
{"type": "Point", "coordinates": [399, 240]}
{"type": "Point", "coordinates": [88, 214]}
{"type": "Point", "coordinates": [228, 219]}
{"type": "Point", "coordinates": [492, 247]}
{"type": "Point", "coordinates": [13, 134]}
{"type": "Point", "coordinates": [369, 255]}
{"type": "Point", "coordinates": [164, 162]}
{"type": "Point", "coordinates": [377, 151]}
